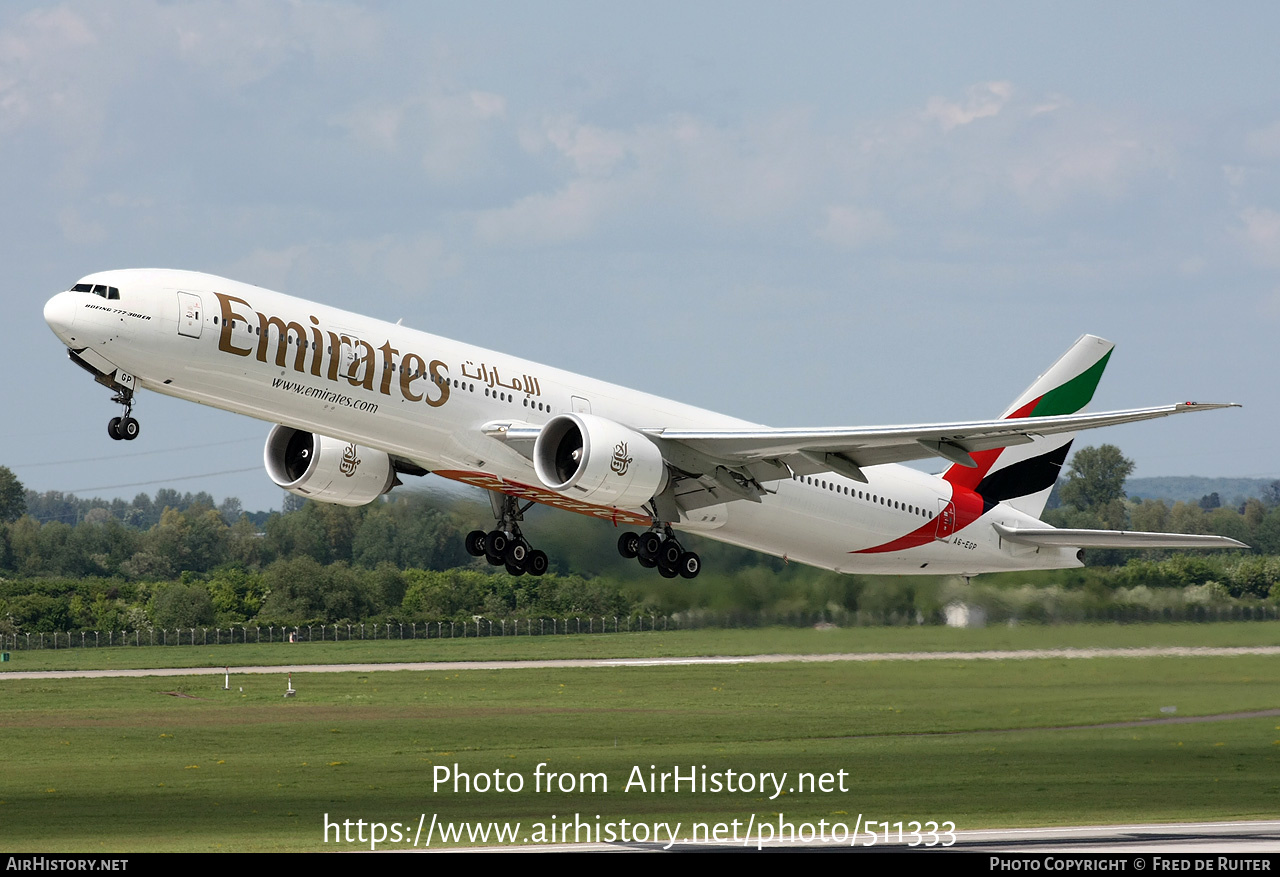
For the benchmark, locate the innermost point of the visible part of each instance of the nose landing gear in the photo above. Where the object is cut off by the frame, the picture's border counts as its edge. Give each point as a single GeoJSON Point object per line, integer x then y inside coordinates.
{"type": "Point", "coordinates": [125, 427]}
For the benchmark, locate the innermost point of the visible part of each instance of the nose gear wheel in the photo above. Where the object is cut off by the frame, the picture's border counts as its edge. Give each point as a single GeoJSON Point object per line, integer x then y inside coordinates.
{"type": "Point", "coordinates": [125, 427]}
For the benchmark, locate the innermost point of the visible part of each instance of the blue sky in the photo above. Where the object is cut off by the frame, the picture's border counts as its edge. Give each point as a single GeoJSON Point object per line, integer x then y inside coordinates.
{"type": "Point", "coordinates": [801, 214]}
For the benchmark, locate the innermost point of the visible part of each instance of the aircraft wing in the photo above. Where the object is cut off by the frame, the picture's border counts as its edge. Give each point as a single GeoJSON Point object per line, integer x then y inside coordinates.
{"type": "Point", "coordinates": [846, 450]}
{"type": "Point", "coordinates": [735, 463]}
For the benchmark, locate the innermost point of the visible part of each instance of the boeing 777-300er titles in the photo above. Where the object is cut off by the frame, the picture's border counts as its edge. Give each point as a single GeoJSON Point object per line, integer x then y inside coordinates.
{"type": "Point", "coordinates": [358, 402]}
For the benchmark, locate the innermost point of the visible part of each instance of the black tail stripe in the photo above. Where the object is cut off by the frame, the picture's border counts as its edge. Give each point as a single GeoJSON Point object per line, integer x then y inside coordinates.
{"type": "Point", "coordinates": [1025, 477]}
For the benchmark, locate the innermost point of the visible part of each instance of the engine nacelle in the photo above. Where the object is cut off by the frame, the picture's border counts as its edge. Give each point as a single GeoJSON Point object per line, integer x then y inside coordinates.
{"type": "Point", "coordinates": [326, 469]}
{"type": "Point", "coordinates": [596, 459]}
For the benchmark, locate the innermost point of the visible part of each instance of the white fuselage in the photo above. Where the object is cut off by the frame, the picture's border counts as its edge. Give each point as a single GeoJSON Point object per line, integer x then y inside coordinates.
{"type": "Point", "coordinates": [427, 399]}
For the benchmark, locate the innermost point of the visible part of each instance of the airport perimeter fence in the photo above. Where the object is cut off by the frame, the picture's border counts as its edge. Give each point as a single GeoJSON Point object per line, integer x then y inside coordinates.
{"type": "Point", "coordinates": [583, 625]}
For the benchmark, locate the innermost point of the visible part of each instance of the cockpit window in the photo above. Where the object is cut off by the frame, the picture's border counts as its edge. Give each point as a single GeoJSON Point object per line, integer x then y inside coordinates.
{"type": "Point", "coordinates": [107, 292]}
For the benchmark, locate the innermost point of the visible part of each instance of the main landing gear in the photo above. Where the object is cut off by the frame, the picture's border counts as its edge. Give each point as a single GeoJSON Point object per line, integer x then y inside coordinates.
{"type": "Point", "coordinates": [124, 427]}
{"type": "Point", "coordinates": [657, 547]}
{"type": "Point", "coordinates": [505, 545]}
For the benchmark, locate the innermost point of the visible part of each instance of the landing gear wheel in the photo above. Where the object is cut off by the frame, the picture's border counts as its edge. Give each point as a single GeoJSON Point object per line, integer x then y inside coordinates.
{"type": "Point", "coordinates": [690, 565]}
{"type": "Point", "coordinates": [650, 544]}
{"type": "Point", "coordinates": [516, 555]}
{"type": "Point", "coordinates": [669, 554]}
{"type": "Point", "coordinates": [537, 563]}
{"type": "Point", "coordinates": [667, 573]}
{"type": "Point", "coordinates": [475, 543]}
{"type": "Point", "coordinates": [129, 428]}
{"type": "Point", "coordinates": [647, 562]}
{"type": "Point", "coordinates": [113, 428]}
{"type": "Point", "coordinates": [629, 545]}
{"type": "Point", "coordinates": [495, 546]}
{"type": "Point", "coordinates": [514, 570]}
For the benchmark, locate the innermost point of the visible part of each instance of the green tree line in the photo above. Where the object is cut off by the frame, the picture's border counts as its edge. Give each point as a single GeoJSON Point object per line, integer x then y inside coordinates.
{"type": "Point", "coordinates": [179, 560]}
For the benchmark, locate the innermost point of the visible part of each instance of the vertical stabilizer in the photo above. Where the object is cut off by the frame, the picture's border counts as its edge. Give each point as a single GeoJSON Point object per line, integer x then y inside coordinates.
{"type": "Point", "coordinates": [1023, 475]}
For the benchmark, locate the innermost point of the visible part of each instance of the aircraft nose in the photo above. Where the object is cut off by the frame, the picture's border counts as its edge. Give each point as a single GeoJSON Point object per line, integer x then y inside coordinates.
{"type": "Point", "coordinates": [60, 314]}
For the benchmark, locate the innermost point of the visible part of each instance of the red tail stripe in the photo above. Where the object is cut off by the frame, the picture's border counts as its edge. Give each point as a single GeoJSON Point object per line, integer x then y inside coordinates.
{"type": "Point", "coordinates": [970, 478]}
{"type": "Point", "coordinates": [968, 508]}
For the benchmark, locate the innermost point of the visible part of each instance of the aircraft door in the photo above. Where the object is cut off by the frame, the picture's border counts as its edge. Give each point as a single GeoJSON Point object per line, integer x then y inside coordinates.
{"type": "Point", "coordinates": [580, 405]}
{"type": "Point", "coordinates": [946, 520]}
{"type": "Point", "coordinates": [351, 361]}
{"type": "Point", "coordinates": [348, 363]}
{"type": "Point", "coordinates": [190, 315]}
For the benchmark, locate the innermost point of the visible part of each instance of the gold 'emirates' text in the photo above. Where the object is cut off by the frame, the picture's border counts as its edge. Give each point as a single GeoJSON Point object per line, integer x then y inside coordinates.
{"type": "Point", "coordinates": [343, 358]}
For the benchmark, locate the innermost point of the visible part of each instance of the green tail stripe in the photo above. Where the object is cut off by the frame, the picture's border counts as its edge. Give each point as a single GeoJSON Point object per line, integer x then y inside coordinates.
{"type": "Point", "coordinates": [1074, 394]}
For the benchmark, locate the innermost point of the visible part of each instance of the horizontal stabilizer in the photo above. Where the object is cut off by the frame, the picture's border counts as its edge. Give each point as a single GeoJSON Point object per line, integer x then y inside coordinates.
{"type": "Point", "coordinates": [1051, 537]}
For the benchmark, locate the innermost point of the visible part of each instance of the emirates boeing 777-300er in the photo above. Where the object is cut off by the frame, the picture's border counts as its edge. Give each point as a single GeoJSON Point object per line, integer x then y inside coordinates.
{"type": "Point", "coordinates": [358, 402]}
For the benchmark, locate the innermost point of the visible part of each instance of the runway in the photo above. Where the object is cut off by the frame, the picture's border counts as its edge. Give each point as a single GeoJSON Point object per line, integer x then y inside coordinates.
{"type": "Point", "coordinates": [854, 657]}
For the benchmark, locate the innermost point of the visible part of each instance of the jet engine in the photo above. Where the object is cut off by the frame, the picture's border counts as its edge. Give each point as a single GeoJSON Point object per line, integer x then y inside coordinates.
{"type": "Point", "coordinates": [593, 458]}
{"type": "Point", "coordinates": [326, 469]}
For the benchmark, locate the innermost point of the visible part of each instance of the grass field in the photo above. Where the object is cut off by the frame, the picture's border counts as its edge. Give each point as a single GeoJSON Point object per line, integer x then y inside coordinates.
{"type": "Point", "coordinates": [125, 765]}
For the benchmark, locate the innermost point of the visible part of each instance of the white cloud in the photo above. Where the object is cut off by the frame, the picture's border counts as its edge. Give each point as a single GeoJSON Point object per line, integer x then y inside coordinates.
{"type": "Point", "coordinates": [1269, 306]}
{"type": "Point", "coordinates": [573, 212]}
{"type": "Point", "coordinates": [68, 62]}
{"type": "Point", "coordinates": [457, 134]}
{"type": "Point", "coordinates": [1098, 162]}
{"type": "Point", "coordinates": [1261, 232]}
{"type": "Point", "coordinates": [76, 229]}
{"type": "Point", "coordinates": [374, 127]}
{"type": "Point", "coordinates": [397, 265]}
{"type": "Point", "coordinates": [685, 172]}
{"type": "Point", "coordinates": [243, 42]}
{"type": "Point", "coordinates": [853, 227]}
{"type": "Point", "coordinates": [1264, 142]}
{"type": "Point", "coordinates": [452, 131]}
{"type": "Point", "coordinates": [676, 172]}
{"type": "Point", "coordinates": [1050, 105]}
{"type": "Point", "coordinates": [594, 151]}
{"type": "Point", "coordinates": [271, 268]}
{"type": "Point", "coordinates": [982, 101]}
{"type": "Point", "coordinates": [42, 59]}
{"type": "Point", "coordinates": [412, 264]}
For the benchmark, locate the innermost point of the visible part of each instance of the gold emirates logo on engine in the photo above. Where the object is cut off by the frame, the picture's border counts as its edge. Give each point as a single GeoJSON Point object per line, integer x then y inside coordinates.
{"type": "Point", "coordinates": [342, 358]}
{"type": "Point", "coordinates": [350, 462]}
{"type": "Point", "coordinates": [620, 462]}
